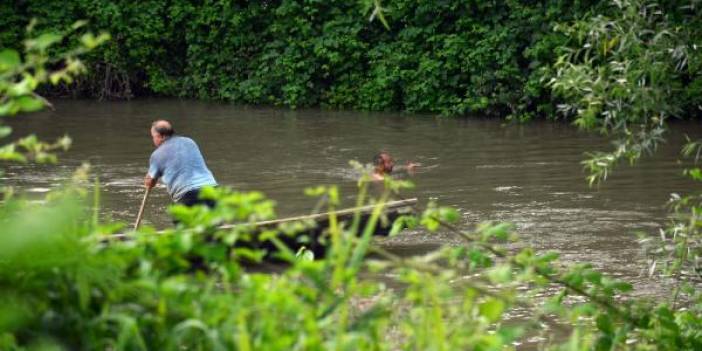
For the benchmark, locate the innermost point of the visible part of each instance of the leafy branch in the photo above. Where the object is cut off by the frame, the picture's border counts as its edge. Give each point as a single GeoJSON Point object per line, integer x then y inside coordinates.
{"type": "Point", "coordinates": [621, 75]}
{"type": "Point", "coordinates": [20, 75]}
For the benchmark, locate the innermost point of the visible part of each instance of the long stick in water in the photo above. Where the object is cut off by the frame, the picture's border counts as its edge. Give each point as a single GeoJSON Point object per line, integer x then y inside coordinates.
{"type": "Point", "coordinates": [141, 209]}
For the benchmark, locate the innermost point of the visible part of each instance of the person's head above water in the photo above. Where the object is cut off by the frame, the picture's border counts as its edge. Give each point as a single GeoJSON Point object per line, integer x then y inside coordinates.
{"type": "Point", "coordinates": [383, 162]}
{"type": "Point", "coordinates": [161, 130]}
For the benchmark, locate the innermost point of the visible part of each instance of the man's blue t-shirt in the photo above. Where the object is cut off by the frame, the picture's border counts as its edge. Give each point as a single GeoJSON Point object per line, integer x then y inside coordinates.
{"type": "Point", "coordinates": [179, 164]}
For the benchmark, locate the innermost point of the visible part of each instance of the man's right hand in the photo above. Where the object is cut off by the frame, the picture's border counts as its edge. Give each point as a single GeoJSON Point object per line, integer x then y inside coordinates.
{"type": "Point", "coordinates": [149, 182]}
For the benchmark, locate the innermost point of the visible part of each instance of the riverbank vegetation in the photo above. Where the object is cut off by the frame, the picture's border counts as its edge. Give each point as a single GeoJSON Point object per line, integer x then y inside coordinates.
{"type": "Point", "coordinates": [450, 57]}
{"type": "Point", "coordinates": [67, 285]}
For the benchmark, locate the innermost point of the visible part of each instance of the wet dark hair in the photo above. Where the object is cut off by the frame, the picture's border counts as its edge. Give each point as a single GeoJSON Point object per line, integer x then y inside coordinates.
{"type": "Point", "coordinates": [378, 158]}
{"type": "Point", "coordinates": [163, 130]}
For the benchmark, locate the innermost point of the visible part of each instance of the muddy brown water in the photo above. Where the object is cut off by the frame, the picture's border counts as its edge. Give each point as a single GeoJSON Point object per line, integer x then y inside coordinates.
{"type": "Point", "coordinates": [527, 174]}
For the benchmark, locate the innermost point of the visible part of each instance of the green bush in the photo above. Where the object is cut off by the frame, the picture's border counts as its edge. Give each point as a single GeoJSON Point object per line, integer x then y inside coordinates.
{"type": "Point", "coordinates": [625, 73]}
{"type": "Point", "coordinates": [450, 57]}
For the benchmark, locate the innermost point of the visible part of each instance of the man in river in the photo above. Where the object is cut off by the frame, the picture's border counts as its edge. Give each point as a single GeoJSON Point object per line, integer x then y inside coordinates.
{"type": "Point", "coordinates": [178, 163]}
{"type": "Point", "coordinates": [384, 164]}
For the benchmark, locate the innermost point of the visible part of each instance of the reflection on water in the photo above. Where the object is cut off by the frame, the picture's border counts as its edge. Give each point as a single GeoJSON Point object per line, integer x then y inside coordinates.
{"type": "Point", "coordinates": [526, 174]}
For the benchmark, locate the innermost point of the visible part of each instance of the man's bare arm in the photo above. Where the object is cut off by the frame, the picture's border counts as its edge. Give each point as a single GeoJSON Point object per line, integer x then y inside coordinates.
{"type": "Point", "coordinates": [410, 168]}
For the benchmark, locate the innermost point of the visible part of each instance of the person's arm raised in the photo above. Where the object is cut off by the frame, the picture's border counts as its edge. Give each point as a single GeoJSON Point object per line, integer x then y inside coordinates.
{"type": "Point", "coordinates": [410, 167]}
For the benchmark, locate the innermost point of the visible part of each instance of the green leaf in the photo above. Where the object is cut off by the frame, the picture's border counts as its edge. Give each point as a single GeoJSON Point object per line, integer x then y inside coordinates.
{"type": "Point", "coordinates": [403, 222]}
{"type": "Point", "coordinates": [24, 87]}
{"type": "Point", "coordinates": [78, 24]}
{"type": "Point", "coordinates": [45, 40]}
{"type": "Point", "coordinates": [695, 174]}
{"type": "Point", "coordinates": [5, 131]}
{"type": "Point", "coordinates": [89, 40]}
{"type": "Point", "coordinates": [8, 108]}
{"type": "Point", "coordinates": [29, 103]}
{"type": "Point", "coordinates": [592, 276]}
{"type": "Point", "coordinates": [9, 59]}
{"type": "Point", "coordinates": [249, 254]}
{"type": "Point", "coordinates": [303, 254]}
{"type": "Point", "coordinates": [185, 242]}
{"type": "Point", "coordinates": [181, 213]}
{"type": "Point", "coordinates": [604, 324]}
{"type": "Point", "coordinates": [8, 153]}
{"type": "Point", "coordinates": [500, 274]}
{"type": "Point", "coordinates": [315, 191]}
{"type": "Point", "coordinates": [492, 309]}
{"type": "Point", "coordinates": [333, 194]}
{"type": "Point", "coordinates": [509, 334]}
{"type": "Point", "coordinates": [500, 231]}
{"type": "Point", "coordinates": [549, 256]}
{"type": "Point", "coordinates": [448, 214]}
{"type": "Point", "coordinates": [44, 157]}
{"type": "Point", "coordinates": [622, 286]}
{"type": "Point", "coordinates": [397, 226]}
{"type": "Point", "coordinates": [56, 77]}
{"type": "Point", "coordinates": [64, 142]}
{"type": "Point", "coordinates": [430, 223]}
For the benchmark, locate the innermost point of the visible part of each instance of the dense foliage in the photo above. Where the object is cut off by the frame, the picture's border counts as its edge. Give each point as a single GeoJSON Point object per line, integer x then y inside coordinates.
{"type": "Point", "coordinates": [626, 73]}
{"type": "Point", "coordinates": [453, 57]}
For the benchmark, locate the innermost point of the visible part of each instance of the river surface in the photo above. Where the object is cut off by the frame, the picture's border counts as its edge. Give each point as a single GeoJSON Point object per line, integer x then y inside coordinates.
{"type": "Point", "coordinates": [527, 174]}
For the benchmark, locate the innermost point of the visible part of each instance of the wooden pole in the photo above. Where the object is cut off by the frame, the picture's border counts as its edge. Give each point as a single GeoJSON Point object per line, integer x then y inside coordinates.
{"type": "Point", "coordinates": [389, 206]}
{"type": "Point", "coordinates": [141, 209]}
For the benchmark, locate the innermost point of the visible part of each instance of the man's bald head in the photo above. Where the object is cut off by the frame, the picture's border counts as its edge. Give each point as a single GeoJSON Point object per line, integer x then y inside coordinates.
{"type": "Point", "coordinates": [161, 130]}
